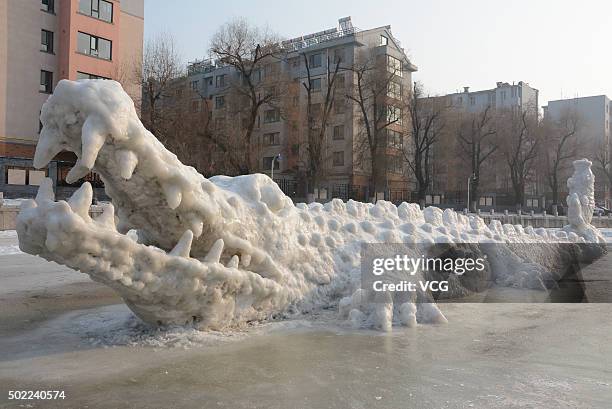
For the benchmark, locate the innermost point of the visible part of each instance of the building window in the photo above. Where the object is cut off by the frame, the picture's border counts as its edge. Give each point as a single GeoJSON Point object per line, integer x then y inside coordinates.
{"type": "Point", "coordinates": [24, 176]}
{"type": "Point", "coordinates": [48, 6]}
{"type": "Point", "coordinates": [272, 138]}
{"type": "Point", "coordinates": [271, 70]}
{"type": "Point", "coordinates": [46, 41]}
{"type": "Point", "coordinates": [394, 139]}
{"type": "Point", "coordinates": [338, 132]}
{"type": "Point", "coordinates": [503, 95]}
{"type": "Point", "coordinates": [394, 90]}
{"type": "Point", "coordinates": [35, 177]}
{"type": "Point", "coordinates": [267, 163]}
{"type": "Point", "coordinates": [315, 60]}
{"type": "Point", "coordinates": [219, 124]}
{"type": "Point", "coordinates": [195, 85]}
{"type": "Point", "coordinates": [46, 81]}
{"type": "Point", "coordinates": [271, 115]}
{"type": "Point", "coordinates": [384, 40]}
{"type": "Point", "coordinates": [339, 55]}
{"type": "Point", "coordinates": [100, 9]}
{"type": "Point", "coordinates": [394, 66]}
{"type": "Point", "coordinates": [94, 46]}
{"type": "Point", "coordinates": [488, 201]}
{"type": "Point", "coordinates": [338, 158]}
{"type": "Point", "coordinates": [394, 115]}
{"type": "Point", "coordinates": [315, 85]}
{"type": "Point", "coordinates": [394, 164]}
{"type": "Point", "coordinates": [86, 76]}
{"type": "Point", "coordinates": [220, 81]}
{"type": "Point", "coordinates": [472, 100]}
{"type": "Point", "coordinates": [15, 176]}
{"type": "Point", "coordinates": [433, 199]}
{"type": "Point", "coordinates": [339, 81]}
{"type": "Point", "coordinates": [195, 106]}
{"type": "Point", "coordinates": [339, 106]}
{"type": "Point", "coordinates": [219, 102]}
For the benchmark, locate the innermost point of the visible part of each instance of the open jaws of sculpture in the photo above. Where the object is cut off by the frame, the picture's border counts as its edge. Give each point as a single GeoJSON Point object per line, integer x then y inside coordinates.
{"type": "Point", "coordinates": [218, 252]}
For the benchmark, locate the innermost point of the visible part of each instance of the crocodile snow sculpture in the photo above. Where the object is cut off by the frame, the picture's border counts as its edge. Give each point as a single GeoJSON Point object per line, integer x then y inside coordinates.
{"type": "Point", "coordinates": [226, 250]}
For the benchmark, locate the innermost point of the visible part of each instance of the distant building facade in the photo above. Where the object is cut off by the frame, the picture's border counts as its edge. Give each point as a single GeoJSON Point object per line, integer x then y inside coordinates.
{"type": "Point", "coordinates": [594, 116]}
{"type": "Point", "coordinates": [343, 175]}
{"type": "Point", "coordinates": [449, 184]}
{"type": "Point", "coordinates": [519, 96]}
{"type": "Point", "coordinates": [50, 40]}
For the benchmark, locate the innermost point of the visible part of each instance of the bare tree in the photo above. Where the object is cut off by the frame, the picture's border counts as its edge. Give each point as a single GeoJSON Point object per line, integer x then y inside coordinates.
{"type": "Point", "coordinates": [603, 164]}
{"type": "Point", "coordinates": [373, 77]}
{"type": "Point", "coordinates": [160, 67]}
{"type": "Point", "coordinates": [185, 124]}
{"type": "Point", "coordinates": [520, 148]}
{"type": "Point", "coordinates": [427, 123]}
{"type": "Point", "coordinates": [247, 49]}
{"type": "Point", "coordinates": [317, 118]}
{"type": "Point", "coordinates": [476, 139]}
{"type": "Point", "coordinates": [558, 146]}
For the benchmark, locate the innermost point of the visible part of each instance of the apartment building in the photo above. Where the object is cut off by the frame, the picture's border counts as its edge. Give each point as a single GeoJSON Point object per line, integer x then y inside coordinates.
{"type": "Point", "coordinates": [593, 115]}
{"type": "Point", "coordinates": [277, 136]}
{"type": "Point", "coordinates": [449, 184]}
{"type": "Point", "coordinates": [45, 41]}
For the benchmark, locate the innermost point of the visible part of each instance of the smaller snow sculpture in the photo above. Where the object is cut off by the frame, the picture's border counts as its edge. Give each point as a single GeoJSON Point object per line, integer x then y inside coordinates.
{"type": "Point", "coordinates": [581, 202]}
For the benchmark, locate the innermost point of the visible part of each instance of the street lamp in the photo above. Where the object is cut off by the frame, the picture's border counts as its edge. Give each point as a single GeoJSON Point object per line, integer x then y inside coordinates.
{"type": "Point", "coordinates": [469, 180]}
{"type": "Point", "coordinates": [272, 169]}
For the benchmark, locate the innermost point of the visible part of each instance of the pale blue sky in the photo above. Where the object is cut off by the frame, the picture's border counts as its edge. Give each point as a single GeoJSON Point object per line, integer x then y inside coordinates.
{"type": "Point", "coordinates": [561, 47]}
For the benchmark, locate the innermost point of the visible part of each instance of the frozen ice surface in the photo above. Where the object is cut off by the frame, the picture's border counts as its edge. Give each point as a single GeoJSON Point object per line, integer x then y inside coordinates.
{"type": "Point", "coordinates": [225, 251]}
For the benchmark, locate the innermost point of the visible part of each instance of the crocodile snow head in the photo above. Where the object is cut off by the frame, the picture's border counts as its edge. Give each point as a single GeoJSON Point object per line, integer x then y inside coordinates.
{"type": "Point", "coordinates": [180, 248]}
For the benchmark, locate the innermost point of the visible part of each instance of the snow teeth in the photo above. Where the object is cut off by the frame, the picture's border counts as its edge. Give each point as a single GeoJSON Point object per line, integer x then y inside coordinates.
{"type": "Point", "coordinates": [183, 247]}
{"type": "Point", "coordinates": [77, 172]}
{"type": "Point", "coordinates": [92, 142]}
{"type": "Point", "coordinates": [48, 146]}
{"type": "Point", "coordinates": [132, 235]}
{"type": "Point", "coordinates": [214, 255]}
{"type": "Point", "coordinates": [81, 200]}
{"type": "Point", "coordinates": [173, 194]}
{"type": "Point", "coordinates": [234, 261]}
{"type": "Point", "coordinates": [107, 218]}
{"type": "Point", "coordinates": [127, 161]}
{"type": "Point", "coordinates": [45, 191]}
{"type": "Point", "coordinates": [196, 226]}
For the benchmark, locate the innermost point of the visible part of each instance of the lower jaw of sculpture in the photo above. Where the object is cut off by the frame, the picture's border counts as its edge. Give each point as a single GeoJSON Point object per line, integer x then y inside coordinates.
{"type": "Point", "coordinates": [160, 287]}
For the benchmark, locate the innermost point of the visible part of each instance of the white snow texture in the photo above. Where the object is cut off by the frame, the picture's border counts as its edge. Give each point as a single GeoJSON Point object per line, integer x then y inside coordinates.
{"type": "Point", "coordinates": [218, 252]}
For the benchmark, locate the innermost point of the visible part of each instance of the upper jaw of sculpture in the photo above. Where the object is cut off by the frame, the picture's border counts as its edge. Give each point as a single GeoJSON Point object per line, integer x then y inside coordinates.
{"type": "Point", "coordinates": [151, 190]}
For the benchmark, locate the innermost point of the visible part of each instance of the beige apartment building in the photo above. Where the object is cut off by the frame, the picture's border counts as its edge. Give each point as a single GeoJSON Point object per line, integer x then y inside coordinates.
{"type": "Point", "coordinates": [276, 133]}
{"type": "Point", "coordinates": [594, 117]}
{"type": "Point", "coordinates": [43, 42]}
